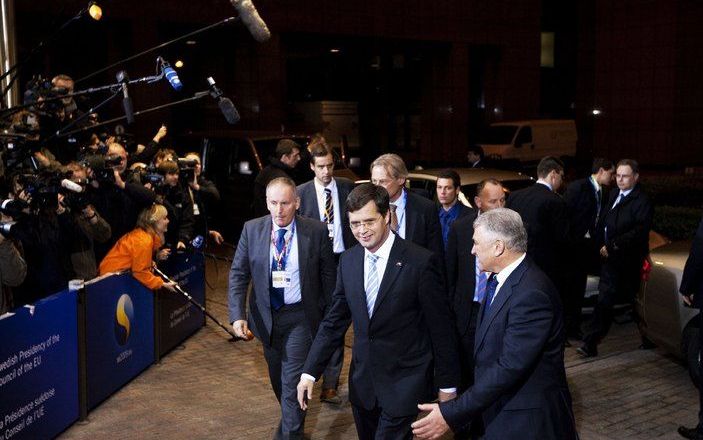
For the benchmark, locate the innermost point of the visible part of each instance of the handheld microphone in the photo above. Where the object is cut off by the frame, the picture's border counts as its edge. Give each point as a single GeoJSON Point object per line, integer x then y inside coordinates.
{"type": "Point", "coordinates": [126, 100]}
{"type": "Point", "coordinates": [71, 186]}
{"type": "Point", "coordinates": [171, 75]}
{"type": "Point", "coordinates": [251, 19]}
{"type": "Point", "coordinates": [229, 111]}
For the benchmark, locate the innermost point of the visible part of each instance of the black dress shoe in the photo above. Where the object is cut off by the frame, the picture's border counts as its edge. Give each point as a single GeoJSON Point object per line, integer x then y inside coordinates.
{"type": "Point", "coordinates": [646, 344]}
{"type": "Point", "coordinates": [587, 352]}
{"type": "Point", "coordinates": [691, 433]}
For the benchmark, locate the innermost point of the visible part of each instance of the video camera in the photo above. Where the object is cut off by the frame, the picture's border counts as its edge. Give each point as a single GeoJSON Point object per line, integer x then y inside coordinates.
{"type": "Point", "coordinates": [186, 169]}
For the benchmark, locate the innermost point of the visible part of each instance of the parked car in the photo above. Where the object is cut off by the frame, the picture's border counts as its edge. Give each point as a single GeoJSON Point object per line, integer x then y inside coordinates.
{"type": "Point", "coordinates": [665, 320]}
{"type": "Point", "coordinates": [232, 160]}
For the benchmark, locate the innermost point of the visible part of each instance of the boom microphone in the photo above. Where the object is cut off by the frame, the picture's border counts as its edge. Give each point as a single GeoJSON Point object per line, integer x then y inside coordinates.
{"type": "Point", "coordinates": [171, 75]}
{"type": "Point", "coordinates": [126, 100]}
{"type": "Point", "coordinates": [229, 111]}
{"type": "Point", "coordinates": [251, 19]}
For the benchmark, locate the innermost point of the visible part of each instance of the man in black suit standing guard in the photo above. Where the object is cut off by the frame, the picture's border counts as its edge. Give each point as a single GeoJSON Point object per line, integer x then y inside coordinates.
{"type": "Point", "coordinates": [520, 387]}
{"type": "Point", "coordinates": [624, 246]}
{"type": "Point", "coordinates": [413, 217]}
{"type": "Point", "coordinates": [322, 198]}
{"type": "Point", "coordinates": [466, 282]}
{"type": "Point", "coordinates": [289, 261]}
{"type": "Point", "coordinates": [286, 157]}
{"type": "Point", "coordinates": [393, 292]}
{"type": "Point", "coordinates": [585, 203]}
{"type": "Point", "coordinates": [544, 215]}
{"type": "Point", "coordinates": [450, 207]}
{"type": "Point", "coordinates": [692, 291]}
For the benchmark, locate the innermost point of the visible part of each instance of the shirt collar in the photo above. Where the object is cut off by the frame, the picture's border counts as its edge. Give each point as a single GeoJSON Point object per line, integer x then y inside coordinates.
{"type": "Point", "coordinates": [545, 184]}
{"type": "Point", "coordinates": [385, 250]}
{"type": "Point", "coordinates": [595, 184]}
{"type": "Point", "coordinates": [319, 187]}
{"type": "Point", "coordinates": [505, 273]}
{"type": "Point", "coordinates": [287, 228]}
{"type": "Point", "coordinates": [400, 203]}
{"type": "Point", "coordinates": [626, 193]}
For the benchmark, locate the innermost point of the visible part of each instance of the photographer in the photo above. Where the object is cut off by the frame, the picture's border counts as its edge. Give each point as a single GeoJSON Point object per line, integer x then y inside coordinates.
{"type": "Point", "coordinates": [95, 229]}
{"type": "Point", "coordinates": [115, 198]}
{"type": "Point", "coordinates": [204, 195]}
{"type": "Point", "coordinates": [12, 267]}
{"type": "Point", "coordinates": [179, 205]}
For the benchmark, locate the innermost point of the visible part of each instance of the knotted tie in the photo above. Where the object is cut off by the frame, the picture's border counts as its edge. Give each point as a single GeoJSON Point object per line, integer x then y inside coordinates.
{"type": "Point", "coordinates": [276, 293]}
{"type": "Point", "coordinates": [394, 218]}
{"type": "Point", "coordinates": [372, 283]}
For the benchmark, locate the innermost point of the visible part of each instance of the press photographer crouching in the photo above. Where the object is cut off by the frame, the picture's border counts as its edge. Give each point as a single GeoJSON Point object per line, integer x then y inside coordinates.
{"type": "Point", "coordinates": [118, 199]}
{"type": "Point", "coordinates": [136, 249]}
{"type": "Point", "coordinates": [175, 197]}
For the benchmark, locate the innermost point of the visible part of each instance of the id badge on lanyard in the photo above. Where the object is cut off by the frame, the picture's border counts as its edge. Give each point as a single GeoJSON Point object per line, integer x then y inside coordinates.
{"type": "Point", "coordinates": [281, 278]}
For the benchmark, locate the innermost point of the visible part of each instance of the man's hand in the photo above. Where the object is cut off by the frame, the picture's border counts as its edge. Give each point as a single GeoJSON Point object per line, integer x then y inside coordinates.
{"type": "Point", "coordinates": [444, 397]}
{"type": "Point", "coordinates": [42, 159]}
{"type": "Point", "coordinates": [118, 179]}
{"type": "Point", "coordinates": [241, 328]}
{"type": "Point", "coordinates": [180, 246]}
{"type": "Point", "coordinates": [305, 387]}
{"type": "Point", "coordinates": [170, 285]}
{"type": "Point", "coordinates": [432, 425]}
{"type": "Point", "coordinates": [604, 252]}
{"type": "Point", "coordinates": [163, 131]}
{"type": "Point", "coordinates": [688, 300]}
{"type": "Point", "coordinates": [163, 254]}
{"type": "Point", "coordinates": [216, 237]}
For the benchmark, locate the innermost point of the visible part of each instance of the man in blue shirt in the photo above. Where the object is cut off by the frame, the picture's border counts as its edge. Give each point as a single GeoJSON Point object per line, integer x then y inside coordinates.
{"type": "Point", "coordinates": [450, 207]}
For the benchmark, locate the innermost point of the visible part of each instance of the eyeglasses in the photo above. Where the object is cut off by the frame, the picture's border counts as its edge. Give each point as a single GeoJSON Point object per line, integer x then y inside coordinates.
{"type": "Point", "coordinates": [365, 223]}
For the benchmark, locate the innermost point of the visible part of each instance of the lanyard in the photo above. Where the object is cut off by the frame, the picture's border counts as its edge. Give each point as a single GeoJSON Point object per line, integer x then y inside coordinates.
{"type": "Point", "coordinates": [283, 256]}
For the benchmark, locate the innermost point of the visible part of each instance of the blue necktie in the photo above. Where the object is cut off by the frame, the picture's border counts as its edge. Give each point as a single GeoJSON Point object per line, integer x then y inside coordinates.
{"type": "Point", "coordinates": [372, 283]}
{"type": "Point", "coordinates": [276, 293]}
{"type": "Point", "coordinates": [491, 285]}
{"type": "Point", "coordinates": [481, 287]}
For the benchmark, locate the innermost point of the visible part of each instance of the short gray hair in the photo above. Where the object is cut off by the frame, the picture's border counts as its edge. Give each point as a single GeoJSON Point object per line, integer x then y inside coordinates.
{"type": "Point", "coordinates": [507, 225]}
{"type": "Point", "coordinates": [392, 163]}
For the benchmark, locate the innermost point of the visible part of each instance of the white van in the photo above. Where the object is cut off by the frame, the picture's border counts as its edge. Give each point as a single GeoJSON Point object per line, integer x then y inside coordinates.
{"type": "Point", "coordinates": [530, 141]}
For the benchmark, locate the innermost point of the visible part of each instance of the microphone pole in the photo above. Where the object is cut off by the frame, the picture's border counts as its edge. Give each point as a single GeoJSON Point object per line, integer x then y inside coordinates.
{"type": "Point", "coordinates": [160, 46]}
{"type": "Point", "coordinates": [198, 305]}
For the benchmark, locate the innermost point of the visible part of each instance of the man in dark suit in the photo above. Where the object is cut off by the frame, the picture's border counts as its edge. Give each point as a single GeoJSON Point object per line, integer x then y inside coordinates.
{"type": "Point", "coordinates": [393, 292]}
{"type": "Point", "coordinates": [323, 199]}
{"type": "Point", "coordinates": [624, 246]}
{"type": "Point", "coordinates": [450, 207]}
{"type": "Point", "coordinates": [413, 217]}
{"type": "Point", "coordinates": [286, 157]}
{"type": "Point", "coordinates": [475, 156]}
{"type": "Point", "coordinates": [544, 215]}
{"type": "Point", "coordinates": [692, 291]}
{"type": "Point", "coordinates": [585, 204]}
{"type": "Point", "coordinates": [520, 386]}
{"type": "Point", "coordinates": [466, 283]}
{"type": "Point", "coordinates": [289, 261]}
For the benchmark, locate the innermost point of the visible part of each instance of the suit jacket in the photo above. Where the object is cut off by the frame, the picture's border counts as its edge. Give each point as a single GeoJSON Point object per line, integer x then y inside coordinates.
{"type": "Point", "coordinates": [692, 279]}
{"type": "Point", "coordinates": [626, 235]}
{"type": "Point", "coordinates": [582, 207]}
{"type": "Point", "coordinates": [408, 338]}
{"type": "Point", "coordinates": [252, 261]}
{"type": "Point", "coordinates": [544, 215]}
{"type": "Point", "coordinates": [310, 208]}
{"type": "Point", "coordinates": [461, 269]}
{"type": "Point", "coordinates": [422, 223]}
{"type": "Point", "coordinates": [519, 379]}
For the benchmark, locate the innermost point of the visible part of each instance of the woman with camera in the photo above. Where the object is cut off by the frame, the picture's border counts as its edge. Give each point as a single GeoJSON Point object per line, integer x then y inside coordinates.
{"type": "Point", "coordinates": [136, 249]}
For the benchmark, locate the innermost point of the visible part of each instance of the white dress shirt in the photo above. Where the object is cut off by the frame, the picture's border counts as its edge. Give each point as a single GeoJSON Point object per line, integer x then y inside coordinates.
{"type": "Point", "coordinates": [505, 273]}
{"type": "Point", "coordinates": [337, 241]}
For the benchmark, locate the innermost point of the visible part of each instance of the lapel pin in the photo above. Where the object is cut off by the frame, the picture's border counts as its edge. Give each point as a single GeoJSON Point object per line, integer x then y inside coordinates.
{"type": "Point", "coordinates": [399, 263]}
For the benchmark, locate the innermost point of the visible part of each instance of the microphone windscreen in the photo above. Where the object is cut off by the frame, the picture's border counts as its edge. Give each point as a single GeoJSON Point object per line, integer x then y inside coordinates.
{"type": "Point", "coordinates": [228, 110]}
{"type": "Point", "coordinates": [128, 109]}
{"type": "Point", "coordinates": [251, 19]}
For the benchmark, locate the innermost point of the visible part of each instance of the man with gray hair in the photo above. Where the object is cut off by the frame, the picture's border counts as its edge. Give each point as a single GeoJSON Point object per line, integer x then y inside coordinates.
{"type": "Point", "coordinates": [413, 217]}
{"type": "Point", "coordinates": [520, 387]}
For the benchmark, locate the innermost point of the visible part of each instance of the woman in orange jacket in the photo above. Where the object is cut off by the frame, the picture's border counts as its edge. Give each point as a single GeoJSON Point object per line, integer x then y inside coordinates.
{"type": "Point", "coordinates": [135, 250]}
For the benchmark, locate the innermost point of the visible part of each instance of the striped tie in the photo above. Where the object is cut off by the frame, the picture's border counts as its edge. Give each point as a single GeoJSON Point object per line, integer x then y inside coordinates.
{"type": "Point", "coordinates": [372, 283]}
{"type": "Point", "coordinates": [329, 207]}
{"type": "Point", "coordinates": [394, 218]}
{"type": "Point", "coordinates": [481, 287]}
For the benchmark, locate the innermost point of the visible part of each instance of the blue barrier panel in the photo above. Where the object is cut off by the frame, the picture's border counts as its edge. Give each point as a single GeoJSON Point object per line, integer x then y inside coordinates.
{"type": "Point", "coordinates": [39, 368]}
{"type": "Point", "coordinates": [178, 318]}
{"type": "Point", "coordinates": [119, 337]}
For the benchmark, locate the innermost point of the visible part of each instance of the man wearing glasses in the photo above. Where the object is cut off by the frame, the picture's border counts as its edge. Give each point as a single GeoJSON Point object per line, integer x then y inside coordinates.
{"type": "Point", "coordinates": [393, 292]}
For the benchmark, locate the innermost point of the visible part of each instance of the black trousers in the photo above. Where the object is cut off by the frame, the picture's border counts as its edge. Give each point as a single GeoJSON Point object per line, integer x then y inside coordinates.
{"type": "Point", "coordinates": [378, 425]}
{"type": "Point", "coordinates": [466, 357]}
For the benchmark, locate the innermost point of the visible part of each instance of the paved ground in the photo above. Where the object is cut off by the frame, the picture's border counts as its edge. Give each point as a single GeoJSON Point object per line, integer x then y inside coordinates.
{"type": "Point", "coordinates": [211, 388]}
